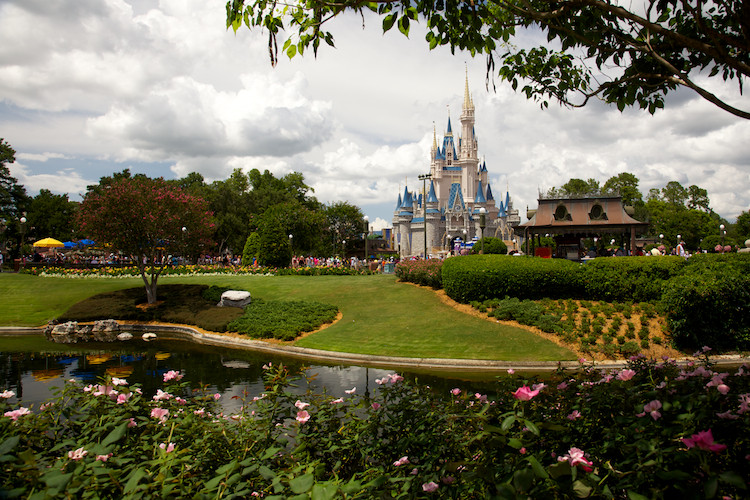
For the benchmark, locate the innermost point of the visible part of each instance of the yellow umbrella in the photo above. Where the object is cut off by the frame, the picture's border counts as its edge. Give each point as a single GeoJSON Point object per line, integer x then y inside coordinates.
{"type": "Point", "coordinates": [49, 243]}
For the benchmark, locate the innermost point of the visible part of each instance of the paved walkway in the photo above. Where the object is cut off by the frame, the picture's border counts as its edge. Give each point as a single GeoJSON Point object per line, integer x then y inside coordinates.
{"type": "Point", "coordinates": [333, 357]}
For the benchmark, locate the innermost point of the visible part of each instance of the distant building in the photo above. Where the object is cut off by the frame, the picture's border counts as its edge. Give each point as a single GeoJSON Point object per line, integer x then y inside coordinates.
{"type": "Point", "coordinates": [449, 201]}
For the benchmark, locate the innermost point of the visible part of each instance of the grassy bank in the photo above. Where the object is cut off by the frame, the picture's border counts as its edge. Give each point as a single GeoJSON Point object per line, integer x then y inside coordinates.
{"type": "Point", "coordinates": [380, 315]}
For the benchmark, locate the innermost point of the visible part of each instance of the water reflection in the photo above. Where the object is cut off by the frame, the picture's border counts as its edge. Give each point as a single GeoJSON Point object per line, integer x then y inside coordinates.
{"type": "Point", "coordinates": [32, 367]}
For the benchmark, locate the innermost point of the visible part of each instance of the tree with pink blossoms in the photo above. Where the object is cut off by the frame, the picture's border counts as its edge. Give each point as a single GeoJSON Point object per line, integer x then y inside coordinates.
{"type": "Point", "coordinates": [145, 219]}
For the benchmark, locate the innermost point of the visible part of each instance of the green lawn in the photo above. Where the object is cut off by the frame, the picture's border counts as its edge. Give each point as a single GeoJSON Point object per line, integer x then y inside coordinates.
{"type": "Point", "coordinates": [380, 315]}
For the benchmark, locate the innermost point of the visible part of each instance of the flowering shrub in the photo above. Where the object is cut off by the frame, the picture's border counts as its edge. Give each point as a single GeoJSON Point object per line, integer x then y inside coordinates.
{"type": "Point", "coordinates": [591, 433]}
{"type": "Point", "coordinates": [192, 270]}
{"type": "Point", "coordinates": [421, 272]}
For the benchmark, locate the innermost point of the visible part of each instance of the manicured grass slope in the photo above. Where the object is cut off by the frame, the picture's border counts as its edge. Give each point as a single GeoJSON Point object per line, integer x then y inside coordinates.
{"type": "Point", "coordinates": [380, 316]}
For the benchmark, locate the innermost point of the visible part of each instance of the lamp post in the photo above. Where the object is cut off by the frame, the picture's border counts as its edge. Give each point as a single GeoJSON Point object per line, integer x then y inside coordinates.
{"type": "Point", "coordinates": [291, 239]}
{"type": "Point", "coordinates": [466, 234]}
{"type": "Point", "coordinates": [22, 222]}
{"type": "Point", "coordinates": [482, 222]}
{"type": "Point", "coordinates": [450, 244]}
{"type": "Point", "coordinates": [184, 245]}
{"type": "Point", "coordinates": [722, 232]}
{"type": "Point", "coordinates": [423, 178]}
{"type": "Point", "coordinates": [367, 232]}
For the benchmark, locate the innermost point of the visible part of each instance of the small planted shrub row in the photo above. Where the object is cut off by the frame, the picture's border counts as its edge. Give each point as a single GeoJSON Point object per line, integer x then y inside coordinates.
{"type": "Point", "coordinates": [421, 272]}
{"type": "Point", "coordinates": [650, 430]}
{"type": "Point", "coordinates": [282, 320]}
{"type": "Point", "coordinates": [614, 329]}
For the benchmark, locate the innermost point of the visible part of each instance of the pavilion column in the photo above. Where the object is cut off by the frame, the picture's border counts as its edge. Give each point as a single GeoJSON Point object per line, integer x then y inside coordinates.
{"type": "Point", "coordinates": [632, 240]}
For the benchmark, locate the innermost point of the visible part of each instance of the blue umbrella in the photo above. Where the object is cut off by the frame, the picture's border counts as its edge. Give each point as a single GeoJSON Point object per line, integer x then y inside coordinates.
{"type": "Point", "coordinates": [86, 242]}
{"type": "Point", "coordinates": [69, 244]}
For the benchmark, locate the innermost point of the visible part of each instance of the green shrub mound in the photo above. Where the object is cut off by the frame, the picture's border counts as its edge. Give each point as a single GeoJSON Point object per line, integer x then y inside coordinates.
{"type": "Point", "coordinates": [481, 277]}
{"type": "Point", "coordinates": [652, 430]}
{"type": "Point", "coordinates": [638, 279]}
{"type": "Point", "coordinates": [709, 306]}
{"type": "Point", "coordinates": [282, 320]}
{"type": "Point", "coordinates": [491, 246]}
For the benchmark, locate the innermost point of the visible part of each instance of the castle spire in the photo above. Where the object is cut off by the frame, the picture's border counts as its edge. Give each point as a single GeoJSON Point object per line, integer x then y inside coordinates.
{"type": "Point", "coordinates": [468, 102]}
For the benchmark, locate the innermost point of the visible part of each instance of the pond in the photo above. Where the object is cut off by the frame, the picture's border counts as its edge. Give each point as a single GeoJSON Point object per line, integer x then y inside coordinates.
{"type": "Point", "coordinates": [31, 366]}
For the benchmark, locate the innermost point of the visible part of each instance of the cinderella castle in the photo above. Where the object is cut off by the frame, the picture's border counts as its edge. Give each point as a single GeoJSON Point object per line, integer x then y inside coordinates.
{"type": "Point", "coordinates": [446, 208]}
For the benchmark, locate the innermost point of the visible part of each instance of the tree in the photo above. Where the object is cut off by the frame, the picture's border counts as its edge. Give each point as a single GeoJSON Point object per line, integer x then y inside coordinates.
{"type": "Point", "coordinates": [626, 184]}
{"type": "Point", "coordinates": [293, 218]}
{"type": "Point", "coordinates": [51, 215]}
{"type": "Point", "coordinates": [608, 50]}
{"type": "Point", "coordinates": [13, 198]}
{"type": "Point", "coordinates": [491, 245]}
{"type": "Point", "coordinates": [145, 219]}
{"type": "Point", "coordinates": [344, 222]}
{"type": "Point", "coordinates": [230, 201]}
{"type": "Point", "coordinates": [742, 226]}
{"type": "Point", "coordinates": [251, 250]}
{"type": "Point", "coordinates": [698, 199]}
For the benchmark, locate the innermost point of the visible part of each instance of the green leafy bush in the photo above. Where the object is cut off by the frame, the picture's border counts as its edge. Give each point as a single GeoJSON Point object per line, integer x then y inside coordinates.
{"type": "Point", "coordinates": [638, 279]}
{"type": "Point", "coordinates": [481, 277]}
{"type": "Point", "coordinates": [491, 246]}
{"type": "Point", "coordinates": [637, 433]}
{"type": "Point", "coordinates": [709, 306]}
{"type": "Point", "coordinates": [283, 320]}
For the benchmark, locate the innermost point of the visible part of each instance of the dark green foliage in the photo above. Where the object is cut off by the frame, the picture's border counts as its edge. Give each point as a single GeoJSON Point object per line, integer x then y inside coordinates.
{"type": "Point", "coordinates": [527, 312]}
{"type": "Point", "coordinates": [275, 250]}
{"type": "Point", "coordinates": [709, 306]}
{"type": "Point", "coordinates": [282, 320]}
{"type": "Point", "coordinates": [184, 304]}
{"type": "Point", "coordinates": [213, 293]}
{"type": "Point", "coordinates": [491, 246]}
{"type": "Point", "coordinates": [481, 277]}
{"type": "Point", "coordinates": [633, 278]}
{"type": "Point", "coordinates": [251, 250]}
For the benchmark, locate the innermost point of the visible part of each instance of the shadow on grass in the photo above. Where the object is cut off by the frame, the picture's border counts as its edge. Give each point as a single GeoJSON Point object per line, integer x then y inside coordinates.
{"type": "Point", "coordinates": [186, 304]}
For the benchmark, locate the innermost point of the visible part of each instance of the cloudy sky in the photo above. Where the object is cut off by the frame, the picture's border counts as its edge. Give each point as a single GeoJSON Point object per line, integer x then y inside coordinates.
{"type": "Point", "coordinates": [91, 87]}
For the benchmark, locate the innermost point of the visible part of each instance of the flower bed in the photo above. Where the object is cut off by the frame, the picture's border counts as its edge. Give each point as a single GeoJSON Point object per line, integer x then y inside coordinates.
{"type": "Point", "coordinates": [651, 430]}
{"type": "Point", "coordinates": [191, 270]}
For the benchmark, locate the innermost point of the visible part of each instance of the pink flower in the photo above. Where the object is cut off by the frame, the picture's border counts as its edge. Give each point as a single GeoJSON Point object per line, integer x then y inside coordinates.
{"type": "Point", "coordinates": [522, 451]}
{"type": "Point", "coordinates": [430, 487]}
{"type": "Point", "coordinates": [625, 375]}
{"type": "Point", "coordinates": [456, 391]}
{"type": "Point", "coordinates": [160, 413]}
{"type": "Point", "coordinates": [131, 422]}
{"type": "Point", "coordinates": [7, 394]}
{"type": "Point", "coordinates": [562, 386]}
{"type": "Point", "coordinates": [300, 405]}
{"type": "Point", "coordinates": [104, 458]}
{"type": "Point", "coordinates": [401, 461]}
{"type": "Point", "coordinates": [375, 406]}
{"type": "Point", "coordinates": [217, 396]}
{"type": "Point", "coordinates": [77, 454]}
{"type": "Point", "coordinates": [17, 413]}
{"type": "Point", "coordinates": [575, 457]}
{"type": "Point", "coordinates": [122, 398]}
{"type": "Point", "coordinates": [351, 391]}
{"type": "Point", "coordinates": [705, 441]}
{"type": "Point", "coordinates": [574, 415]}
{"type": "Point", "coordinates": [481, 397]}
{"type": "Point", "coordinates": [337, 401]}
{"type": "Point", "coordinates": [524, 393]}
{"type": "Point", "coordinates": [448, 480]}
{"type": "Point", "coordinates": [169, 448]}
{"type": "Point", "coordinates": [303, 416]}
{"type": "Point", "coordinates": [200, 412]}
{"type": "Point", "coordinates": [652, 408]}
{"type": "Point", "coordinates": [119, 381]}
{"type": "Point", "coordinates": [511, 371]}
{"type": "Point", "coordinates": [161, 395]}
{"type": "Point", "coordinates": [172, 375]}
{"type": "Point", "coordinates": [722, 388]}
{"type": "Point", "coordinates": [395, 377]}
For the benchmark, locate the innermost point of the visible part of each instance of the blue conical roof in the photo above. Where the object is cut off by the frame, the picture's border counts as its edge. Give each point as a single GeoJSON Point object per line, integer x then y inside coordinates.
{"type": "Point", "coordinates": [431, 196]}
{"type": "Point", "coordinates": [489, 193]}
{"type": "Point", "coordinates": [479, 198]}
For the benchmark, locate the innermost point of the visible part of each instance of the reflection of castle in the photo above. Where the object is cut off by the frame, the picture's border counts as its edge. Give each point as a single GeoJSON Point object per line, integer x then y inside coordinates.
{"type": "Point", "coordinates": [457, 188]}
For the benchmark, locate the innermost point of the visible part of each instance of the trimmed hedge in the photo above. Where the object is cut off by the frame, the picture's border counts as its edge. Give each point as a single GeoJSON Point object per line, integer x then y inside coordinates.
{"type": "Point", "coordinates": [638, 279]}
{"type": "Point", "coordinates": [481, 277]}
{"type": "Point", "coordinates": [709, 306]}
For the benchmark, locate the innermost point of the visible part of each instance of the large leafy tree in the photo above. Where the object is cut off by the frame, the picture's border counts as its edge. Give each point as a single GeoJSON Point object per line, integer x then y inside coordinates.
{"type": "Point", "coordinates": [145, 219]}
{"type": "Point", "coordinates": [343, 222]}
{"type": "Point", "coordinates": [230, 202]}
{"type": "Point", "coordinates": [52, 215]}
{"type": "Point", "coordinates": [626, 54]}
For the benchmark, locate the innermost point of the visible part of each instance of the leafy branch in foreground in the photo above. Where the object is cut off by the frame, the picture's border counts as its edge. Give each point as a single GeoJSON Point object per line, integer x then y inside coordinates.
{"type": "Point", "coordinates": [624, 55]}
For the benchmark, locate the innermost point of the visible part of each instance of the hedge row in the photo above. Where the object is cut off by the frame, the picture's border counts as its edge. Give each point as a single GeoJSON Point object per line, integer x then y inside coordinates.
{"type": "Point", "coordinates": [706, 298]}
